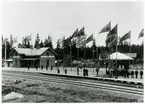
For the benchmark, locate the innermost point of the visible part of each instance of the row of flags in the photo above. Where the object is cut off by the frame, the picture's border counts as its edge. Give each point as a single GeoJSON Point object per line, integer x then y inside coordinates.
{"type": "Point", "coordinates": [112, 37]}
{"type": "Point", "coordinates": [14, 40]}
{"type": "Point", "coordinates": [110, 40]}
{"type": "Point", "coordinates": [80, 35]}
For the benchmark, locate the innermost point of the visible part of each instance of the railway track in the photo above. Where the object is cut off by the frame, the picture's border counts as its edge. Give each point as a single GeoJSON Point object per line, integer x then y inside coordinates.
{"type": "Point", "coordinates": [85, 83]}
{"type": "Point", "coordinates": [80, 79]}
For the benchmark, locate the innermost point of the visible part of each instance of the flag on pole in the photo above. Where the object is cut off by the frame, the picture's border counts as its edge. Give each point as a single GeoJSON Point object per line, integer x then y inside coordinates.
{"type": "Point", "coordinates": [28, 38]}
{"type": "Point", "coordinates": [126, 36]}
{"type": "Point", "coordinates": [82, 32]}
{"type": "Point", "coordinates": [89, 39]}
{"type": "Point", "coordinates": [75, 34]}
{"type": "Point", "coordinates": [80, 42]}
{"type": "Point", "coordinates": [141, 34]}
{"type": "Point", "coordinates": [106, 28]}
{"type": "Point", "coordinates": [15, 40]}
{"type": "Point", "coordinates": [5, 40]}
{"type": "Point", "coordinates": [67, 41]}
{"type": "Point", "coordinates": [112, 43]}
{"type": "Point", "coordinates": [112, 36]}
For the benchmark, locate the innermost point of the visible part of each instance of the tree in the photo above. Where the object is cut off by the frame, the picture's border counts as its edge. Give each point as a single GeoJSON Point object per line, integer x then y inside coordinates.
{"type": "Point", "coordinates": [11, 40]}
{"type": "Point", "coordinates": [41, 44]}
{"type": "Point", "coordinates": [93, 48]}
{"type": "Point", "coordinates": [58, 50]}
{"type": "Point", "coordinates": [28, 44]}
{"type": "Point", "coordinates": [48, 42]}
{"type": "Point", "coordinates": [8, 49]}
{"type": "Point", "coordinates": [37, 40]}
{"type": "Point", "coordinates": [74, 49]}
{"type": "Point", "coordinates": [2, 39]}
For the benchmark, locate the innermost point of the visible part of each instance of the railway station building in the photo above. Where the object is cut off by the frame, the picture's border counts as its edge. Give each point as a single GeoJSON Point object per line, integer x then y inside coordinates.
{"type": "Point", "coordinates": [32, 57]}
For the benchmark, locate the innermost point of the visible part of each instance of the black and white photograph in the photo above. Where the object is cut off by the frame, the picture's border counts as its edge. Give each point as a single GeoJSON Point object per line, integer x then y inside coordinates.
{"type": "Point", "coordinates": [72, 52]}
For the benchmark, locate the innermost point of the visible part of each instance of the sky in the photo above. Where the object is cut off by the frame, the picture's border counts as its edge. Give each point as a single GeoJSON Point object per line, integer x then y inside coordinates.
{"type": "Point", "coordinates": [59, 19]}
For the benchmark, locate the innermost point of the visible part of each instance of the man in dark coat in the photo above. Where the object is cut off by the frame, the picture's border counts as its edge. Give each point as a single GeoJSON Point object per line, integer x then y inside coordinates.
{"type": "Point", "coordinates": [132, 74]}
{"type": "Point", "coordinates": [84, 72]}
{"type": "Point", "coordinates": [77, 70]}
{"type": "Point", "coordinates": [46, 67]}
{"type": "Point", "coordinates": [98, 67]}
{"type": "Point", "coordinates": [136, 73]}
{"type": "Point", "coordinates": [141, 74]}
{"type": "Point", "coordinates": [58, 70]}
{"type": "Point", "coordinates": [36, 67]}
{"type": "Point", "coordinates": [41, 67]}
{"type": "Point", "coordinates": [65, 70]}
{"type": "Point", "coordinates": [51, 67]}
{"type": "Point", "coordinates": [28, 66]}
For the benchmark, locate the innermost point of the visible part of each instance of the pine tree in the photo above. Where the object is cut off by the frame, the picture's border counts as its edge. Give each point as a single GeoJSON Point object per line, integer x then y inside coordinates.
{"type": "Point", "coordinates": [2, 39]}
{"type": "Point", "coordinates": [58, 50]}
{"type": "Point", "coordinates": [11, 40]}
{"type": "Point", "coordinates": [37, 40]}
{"type": "Point", "coordinates": [28, 44]}
{"type": "Point", "coordinates": [41, 44]}
{"type": "Point", "coordinates": [48, 42]}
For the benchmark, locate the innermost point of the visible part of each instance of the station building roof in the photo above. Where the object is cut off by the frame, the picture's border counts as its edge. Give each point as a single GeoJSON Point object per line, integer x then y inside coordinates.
{"type": "Point", "coordinates": [33, 51]}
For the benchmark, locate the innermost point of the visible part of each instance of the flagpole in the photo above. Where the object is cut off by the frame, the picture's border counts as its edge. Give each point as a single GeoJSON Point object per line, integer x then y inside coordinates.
{"type": "Point", "coordinates": [78, 53]}
{"type": "Point", "coordinates": [116, 50]}
{"type": "Point", "coordinates": [93, 53]}
{"type": "Point", "coordinates": [63, 51]}
{"type": "Point", "coordinates": [31, 50]}
{"type": "Point", "coordinates": [130, 51]}
{"type": "Point", "coordinates": [85, 50]}
{"type": "Point", "coordinates": [71, 56]}
{"type": "Point", "coordinates": [5, 51]}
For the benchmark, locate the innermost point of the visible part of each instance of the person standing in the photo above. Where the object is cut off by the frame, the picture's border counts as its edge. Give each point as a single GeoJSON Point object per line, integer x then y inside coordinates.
{"type": "Point", "coordinates": [106, 67]}
{"type": "Point", "coordinates": [132, 74]}
{"type": "Point", "coordinates": [28, 66]}
{"type": "Point", "coordinates": [141, 74]}
{"type": "Point", "coordinates": [36, 67]}
{"type": "Point", "coordinates": [84, 72]}
{"type": "Point", "coordinates": [78, 71]}
{"type": "Point", "coordinates": [97, 69]}
{"type": "Point", "coordinates": [58, 71]}
{"type": "Point", "coordinates": [136, 73]}
{"type": "Point", "coordinates": [42, 67]}
{"type": "Point", "coordinates": [65, 70]}
{"type": "Point", "coordinates": [51, 68]}
{"type": "Point", "coordinates": [46, 67]}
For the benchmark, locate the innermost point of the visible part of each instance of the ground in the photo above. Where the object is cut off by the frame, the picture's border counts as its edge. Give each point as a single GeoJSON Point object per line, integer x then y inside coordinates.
{"type": "Point", "coordinates": [35, 91]}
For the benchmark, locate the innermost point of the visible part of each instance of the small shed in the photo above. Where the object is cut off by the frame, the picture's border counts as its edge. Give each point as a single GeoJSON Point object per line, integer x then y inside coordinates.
{"type": "Point", "coordinates": [9, 62]}
{"type": "Point", "coordinates": [119, 56]}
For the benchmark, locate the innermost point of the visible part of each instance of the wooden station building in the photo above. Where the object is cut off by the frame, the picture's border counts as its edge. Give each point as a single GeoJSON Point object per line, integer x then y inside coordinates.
{"type": "Point", "coordinates": [32, 57]}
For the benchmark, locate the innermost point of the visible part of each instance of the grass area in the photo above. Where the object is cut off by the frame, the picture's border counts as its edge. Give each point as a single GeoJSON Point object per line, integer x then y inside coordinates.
{"type": "Point", "coordinates": [48, 92]}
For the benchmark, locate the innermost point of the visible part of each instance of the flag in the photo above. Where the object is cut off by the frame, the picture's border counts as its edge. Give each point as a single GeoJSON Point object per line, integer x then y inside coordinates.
{"type": "Point", "coordinates": [82, 32]}
{"type": "Point", "coordinates": [67, 41]}
{"type": "Point", "coordinates": [80, 42]}
{"type": "Point", "coordinates": [126, 36]}
{"type": "Point", "coordinates": [141, 34]}
{"type": "Point", "coordinates": [27, 38]}
{"type": "Point", "coordinates": [112, 36]}
{"type": "Point", "coordinates": [106, 28]}
{"type": "Point", "coordinates": [89, 39]}
{"type": "Point", "coordinates": [112, 32]}
{"type": "Point", "coordinates": [75, 34]}
{"type": "Point", "coordinates": [15, 40]}
{"type": "Point", "coordinates": [112, 43]}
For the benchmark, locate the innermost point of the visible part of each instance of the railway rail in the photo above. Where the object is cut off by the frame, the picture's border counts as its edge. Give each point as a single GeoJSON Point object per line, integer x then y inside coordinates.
{"type": "Point", "coordinates": [104, 85]}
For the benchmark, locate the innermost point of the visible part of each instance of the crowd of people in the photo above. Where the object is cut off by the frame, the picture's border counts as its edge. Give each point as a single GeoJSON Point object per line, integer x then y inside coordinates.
{"type": "Point", "coordinates": [112, 72]}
